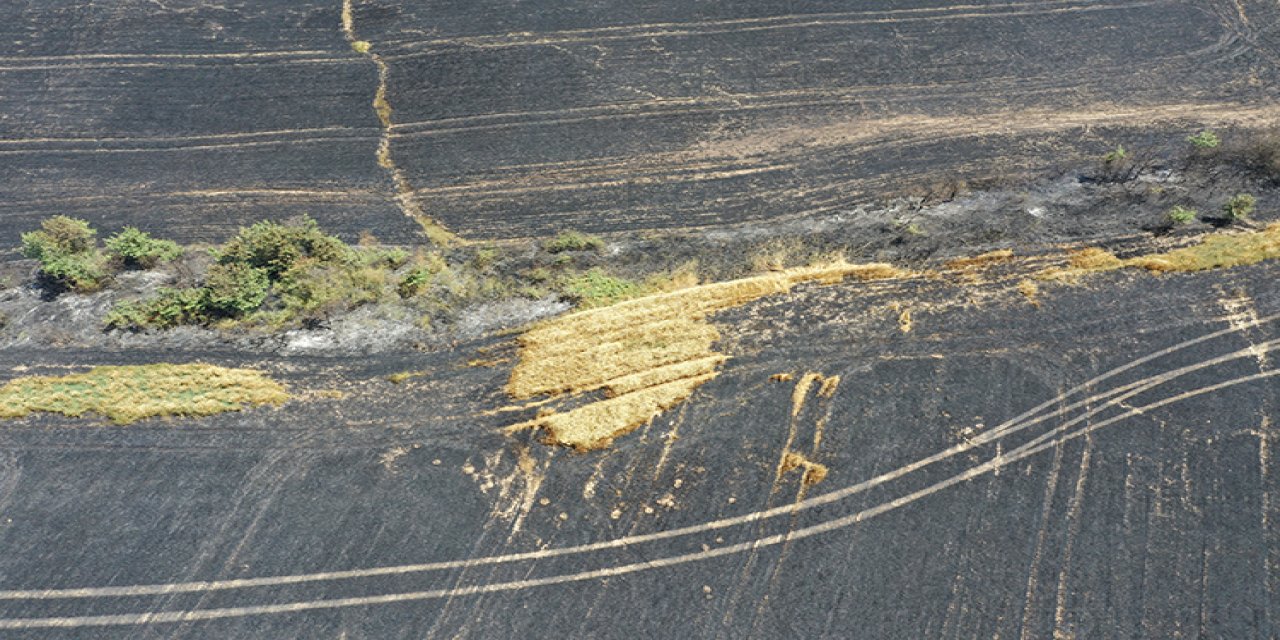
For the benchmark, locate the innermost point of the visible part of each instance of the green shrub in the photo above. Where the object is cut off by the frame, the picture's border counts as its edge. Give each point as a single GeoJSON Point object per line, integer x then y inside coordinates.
{"type": "Point", "coordinates": [595, 288]}
{"type": "Point", "coordinates": [1181, 215]}
{"type": "Point", "coordinates": [1239, 207]}
{"type": "Point", "coordinates": [169, 308]}
{"type": "Point", "coordinates": [275, 247]}
{"type": "Point", "coordinates": [138, 249]}
{"type": "Point", "coordinates": [68, 254]}
{"type": "Point", "coordinates": [311, 290]}
{"type": "Point", "coordinates": [1204, 140]}
{"type": "Point", "coordinates": [235, 289]}
{"type": "Point", "coordinates": [573, 241]}
{"type": "Point", "coordinates": [61, 235]}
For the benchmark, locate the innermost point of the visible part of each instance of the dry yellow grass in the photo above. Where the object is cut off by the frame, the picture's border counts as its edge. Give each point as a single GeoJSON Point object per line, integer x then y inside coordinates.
{"type": "Point", "coordinates": [981, 260]}
{"type": "Point", "coordinates": [648, 354]}
{"type": "Point", "coordinates": [814, 472]}
{"type": "Point", "coordinates": [1030, 290]}
{"type": "Point", "coordinates": [1217, 251]}
{"type": "Point", "coordinates": [829, 385]}
{"type": "Point", "coordinates": [596, 425]}
{"type": "Point", "coordinates": [125, 394]}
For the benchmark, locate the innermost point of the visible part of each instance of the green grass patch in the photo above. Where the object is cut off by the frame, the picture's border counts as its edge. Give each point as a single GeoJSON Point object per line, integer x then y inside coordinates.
{"type": "Point", "coordinates": [126, 394]}
{"type": "Point", "coordinates": [1204, 140]}
{"type": "Point", "coordinates": [573, 241]}
{"type": "Point", "coordinates": [595, 288]}
{"type": "Point", "coordinates": [1181, 215]}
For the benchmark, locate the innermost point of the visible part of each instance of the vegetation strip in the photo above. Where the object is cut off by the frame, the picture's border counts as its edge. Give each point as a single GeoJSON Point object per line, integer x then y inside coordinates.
{"type": "Point", "coordinates": [1217, 251]}
{"type": "Point", "coordinates": [126, 394]}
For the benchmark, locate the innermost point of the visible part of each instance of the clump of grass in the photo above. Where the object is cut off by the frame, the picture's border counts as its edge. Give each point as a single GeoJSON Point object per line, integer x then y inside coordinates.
{"type": "Point", "coordinates": [1239, 206]}
{"type": "Point", "coordinates": [1030, 290]}
{"type": "Point", "coordinates": [67, 251]}
{"type": "Point", "coordinates": [423, 271]}
{"type": "Point", "coordinates": [404, 376]}
{"type": "Point", "coordinates": [1181, 215]}
{"type": "Point", "coordinates": [361, 46]}
{"type": "Point", "coordinates": [596, 288]}
{"type": "Point", "coordinates": [126, 394]}
{"type": "Point", "coordinates": [908, 228]}
{"type": "Point", "coordinates": [137, 249]}
{"type": "Point", "coordinates": [1205, 139]}
{"type": "Point", "coordinates": [1115, 156]}
{"type": "Point", "coordinates": [573, 241]}
{"type": "Point", "coordinates": [980, 261]}
{"type": "Point", "coordinates": [1120, 165]}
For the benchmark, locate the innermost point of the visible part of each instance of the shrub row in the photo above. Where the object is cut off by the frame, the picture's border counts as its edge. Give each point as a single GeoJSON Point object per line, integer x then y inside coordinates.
{"type": "Point", "coordinates": [70, 258]}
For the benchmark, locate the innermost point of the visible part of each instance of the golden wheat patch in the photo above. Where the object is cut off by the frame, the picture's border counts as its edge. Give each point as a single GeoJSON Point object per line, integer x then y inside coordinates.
{"type": "Point", "coordinates": [647, 354]}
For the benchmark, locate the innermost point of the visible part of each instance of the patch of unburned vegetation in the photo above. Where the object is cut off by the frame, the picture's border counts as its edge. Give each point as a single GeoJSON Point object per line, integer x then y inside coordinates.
{"type": "Point", "coordinates": [1217, 251]}
{"type": "Point", "coordinates": [126, 394]}
{"type": "Point", "coordinates": [647, 354]}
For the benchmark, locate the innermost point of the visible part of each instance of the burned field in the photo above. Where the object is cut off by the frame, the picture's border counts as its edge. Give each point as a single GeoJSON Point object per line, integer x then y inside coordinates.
{"type": "Point", "coordinates": [874, 340]}
{"type": "Point", "coordinates": [1001, 465]}
{"type": "Point", "coordinates": [503, 121]}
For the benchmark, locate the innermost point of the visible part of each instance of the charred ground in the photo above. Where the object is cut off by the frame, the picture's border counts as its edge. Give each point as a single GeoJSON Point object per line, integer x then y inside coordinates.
{"type": "Point", "coordinates": [1082, 457]}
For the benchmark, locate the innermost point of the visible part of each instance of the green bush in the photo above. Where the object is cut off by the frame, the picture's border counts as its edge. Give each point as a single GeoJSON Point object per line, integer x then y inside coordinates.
{"type": "Point", "coordinates": [311, 290]}
{"type": "Point", "coordinates": [235, 289]}
{"type": "Point", "coordinates": [1181, 215]}
{"type": "Point", "coordinates": [275, 247]}
{"type": "Point", "coordinates": [68, 254]}
{"type": "Point", "coordinates": [1204, 140]}
{"type": "Point", "coordinates": [573, 241]}
{"type": "Point", "coordinates": [1239, 207]}
{"type": "Point", "coordinates": [138, 249]}
{"type": "Point", "coordinates": [60, 234]}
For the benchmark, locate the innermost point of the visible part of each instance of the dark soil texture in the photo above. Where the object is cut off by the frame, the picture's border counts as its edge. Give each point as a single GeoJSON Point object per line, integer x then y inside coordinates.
{"type": "Point", "coordinates": [508, 120]}
{"type": "Point", "coordinates": [1098, 464]}
{"type": "Point", "coordinates": [1088, 459]}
